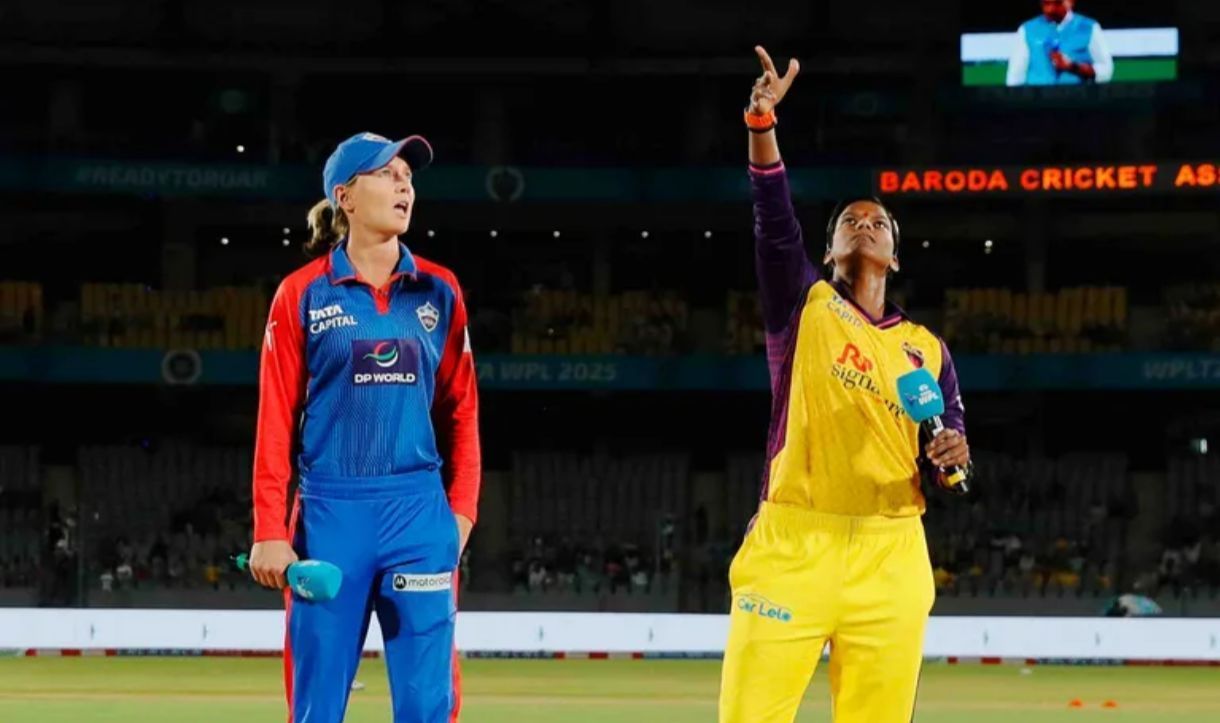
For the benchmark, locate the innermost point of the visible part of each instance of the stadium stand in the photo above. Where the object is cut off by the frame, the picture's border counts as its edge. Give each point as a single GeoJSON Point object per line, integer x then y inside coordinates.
{"type": "Point", "coordinates": [1045, 532]}
{"type": "Point", "coordinates": [21, 312]}
{"type": "Point", "coordinates": [1069, 321]}
{"type": "Point", "coordinates": [631, 503]}
{"type": "Point", "coordinates": [568, 322]}
{"type": "Point", "coordinates": [986, 320]}
{"type": "Point", "coordinates": [166, 516]}
{"type": "Point", "coordinates": [135, 316]}
{"type": "Point", "coordinates": [1189, 559]}
{"type": "Point", "coordinates": [22, 527]}
{"type": "Point", "coordinates": [1193, 317]}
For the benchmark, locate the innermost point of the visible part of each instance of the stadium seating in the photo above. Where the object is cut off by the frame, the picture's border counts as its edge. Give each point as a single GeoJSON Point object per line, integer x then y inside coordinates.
{"type": "Point", "coordinates": [164, 517]}
{"type": "Point", "coordinates": [1189, 559]}
{"type": "Point", "coordinates": [647, 323]}
{"type": "Point", "coordinates": [165, 513]}
{"type": "Point", "coordinates": [22, 528]}
{"type": "Point", "coordinates": [569, 322]}
{"type": "Point", "coordinates": [1070, 321]}
{"type": "Point", "coordinates": [21, 311]}
{"type": "Point", "coordinates": [1034, 526]}
{"type": "Point", "coordinates": [564, 493]}
{"type": "Point", "coordinates": [581, 521]}
{"type": "Point", "coordinates": [1193, 312]}
{"type": "Point", "coordinates": [1068, 515]}
{"type": "Point", "coordinates": [1191, 491]}
{"type": "Point", "coordinates": [743, 322]}
{"type": "Point", "coordinates": [135, 316]}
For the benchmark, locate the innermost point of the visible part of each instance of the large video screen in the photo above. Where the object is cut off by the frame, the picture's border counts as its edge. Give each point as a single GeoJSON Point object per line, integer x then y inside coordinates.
{"type": "Point", "coordinates": [1060, 42]}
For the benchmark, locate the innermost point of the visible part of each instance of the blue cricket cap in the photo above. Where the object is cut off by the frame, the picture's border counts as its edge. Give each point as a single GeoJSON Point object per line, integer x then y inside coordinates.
{"type": "Point", "coordinates": [366, 152]}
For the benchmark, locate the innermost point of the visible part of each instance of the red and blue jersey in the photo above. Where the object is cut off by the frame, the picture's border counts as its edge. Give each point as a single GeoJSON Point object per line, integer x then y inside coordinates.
{"type": "Point", "coordinates": [360, 382]}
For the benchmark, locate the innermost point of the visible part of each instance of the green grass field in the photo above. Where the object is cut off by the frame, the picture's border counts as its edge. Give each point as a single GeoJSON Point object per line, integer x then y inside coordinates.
{"type": "Point", "coordinates": [205, 690]}
{"type": "Point", "coordinates": [1126, 70]}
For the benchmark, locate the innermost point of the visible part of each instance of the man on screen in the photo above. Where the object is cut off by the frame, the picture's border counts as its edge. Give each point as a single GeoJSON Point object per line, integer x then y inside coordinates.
{"type": "Point", "coordinates": [1060, 47]}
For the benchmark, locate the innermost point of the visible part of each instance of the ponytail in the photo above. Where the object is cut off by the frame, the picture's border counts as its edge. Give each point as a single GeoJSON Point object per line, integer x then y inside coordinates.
{"type": "Point", "coordinates": [327, 226]}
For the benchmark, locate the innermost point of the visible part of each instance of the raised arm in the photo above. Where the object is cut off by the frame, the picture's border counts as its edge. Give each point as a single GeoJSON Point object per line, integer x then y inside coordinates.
{"type": "Point", "coordinates": [784, 270]}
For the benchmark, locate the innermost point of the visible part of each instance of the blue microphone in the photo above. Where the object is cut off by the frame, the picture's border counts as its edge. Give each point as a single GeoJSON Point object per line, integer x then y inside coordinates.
{"type": "Point", "coordinates": [924, 402]}
{"type": "Point", "coordinates": [313, 580]}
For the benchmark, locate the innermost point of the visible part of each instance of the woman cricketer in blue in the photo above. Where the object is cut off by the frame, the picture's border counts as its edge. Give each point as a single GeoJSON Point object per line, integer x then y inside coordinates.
{"type": "Point", "coordinates": [367, 401]}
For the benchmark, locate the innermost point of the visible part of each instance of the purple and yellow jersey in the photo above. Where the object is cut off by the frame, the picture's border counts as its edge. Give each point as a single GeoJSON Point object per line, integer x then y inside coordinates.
{"type": "Point", "coordinates": [840, 441]}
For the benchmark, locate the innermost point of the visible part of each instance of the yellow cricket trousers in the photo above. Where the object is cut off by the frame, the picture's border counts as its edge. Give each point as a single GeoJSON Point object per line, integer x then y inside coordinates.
{"type": "Point", "coordinates": [802, 578]}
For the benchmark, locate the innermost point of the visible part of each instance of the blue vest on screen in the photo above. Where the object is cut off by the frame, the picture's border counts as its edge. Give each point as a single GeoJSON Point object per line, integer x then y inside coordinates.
{"type": "Point", "coordinates": [1041, 35]}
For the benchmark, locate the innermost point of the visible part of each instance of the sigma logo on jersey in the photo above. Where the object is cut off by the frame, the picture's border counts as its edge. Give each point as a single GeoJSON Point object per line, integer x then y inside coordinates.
{"type": "Point", "coordinates": [385, 361]}
{"type": "Point", "coordinates": [429, 316]}
{"type": "Point", "coordinates": [852, 353]}
{"type": "Point", "coordinates": [404, 582]}
{"type": "Point", "coordinates": [855, 372]}
{"type": "Point", "coordinates": [329, 317]}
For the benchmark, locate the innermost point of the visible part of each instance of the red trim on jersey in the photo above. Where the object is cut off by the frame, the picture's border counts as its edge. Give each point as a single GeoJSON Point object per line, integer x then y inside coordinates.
{"type": "Point", "coordinates": [455, 404]}
{"type": "Point", "coordinates": [281, 392]}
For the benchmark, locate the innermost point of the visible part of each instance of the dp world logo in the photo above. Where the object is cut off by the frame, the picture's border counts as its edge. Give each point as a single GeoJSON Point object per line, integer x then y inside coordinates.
{"type": "Point", "coordinates": [385, 361]}
{"type": "Point", "coordinates": [384, 355]}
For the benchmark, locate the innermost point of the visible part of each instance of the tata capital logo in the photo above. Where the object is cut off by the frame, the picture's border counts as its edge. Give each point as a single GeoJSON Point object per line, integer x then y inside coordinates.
{"type": "Point", "coordinates": [329, 317]}
{"type": "Point", "coordinates": [763, 608]}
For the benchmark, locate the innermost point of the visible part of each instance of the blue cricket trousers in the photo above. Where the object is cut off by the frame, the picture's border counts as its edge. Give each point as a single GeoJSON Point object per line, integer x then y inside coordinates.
{"type": "Point", "coordinates": [396, 540]}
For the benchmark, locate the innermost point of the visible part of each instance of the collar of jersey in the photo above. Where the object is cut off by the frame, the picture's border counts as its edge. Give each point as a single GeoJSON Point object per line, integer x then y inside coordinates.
{"type": "Point", "coordinates": [342, 271]}
{"type": "Point", "coordinates": [893, 312]}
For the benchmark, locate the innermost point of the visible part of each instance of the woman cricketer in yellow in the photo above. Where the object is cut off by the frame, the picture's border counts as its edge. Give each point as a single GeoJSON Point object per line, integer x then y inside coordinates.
{"type": "Point", "coordinates": [837, 551]}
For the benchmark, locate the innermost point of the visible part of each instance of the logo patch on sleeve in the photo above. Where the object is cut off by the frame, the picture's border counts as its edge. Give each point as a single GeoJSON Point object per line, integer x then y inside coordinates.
{"type": "Point", "coordinates": [404, 582]}
{"type": "Point", "coordinates": [385, 361]}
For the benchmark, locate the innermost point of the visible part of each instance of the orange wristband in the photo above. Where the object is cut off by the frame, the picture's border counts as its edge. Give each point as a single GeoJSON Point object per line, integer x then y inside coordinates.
{"type": "Point", "coordinates": [760, 123]}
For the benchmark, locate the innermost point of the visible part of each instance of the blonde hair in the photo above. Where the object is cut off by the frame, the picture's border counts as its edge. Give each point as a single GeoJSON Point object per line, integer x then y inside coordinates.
{"type": "Point", "coordinates": [327, 226]}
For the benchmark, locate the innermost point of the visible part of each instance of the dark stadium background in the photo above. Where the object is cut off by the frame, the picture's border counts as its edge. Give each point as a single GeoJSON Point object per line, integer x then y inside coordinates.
{"type": "Point", "coordinates": [121, 486]}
